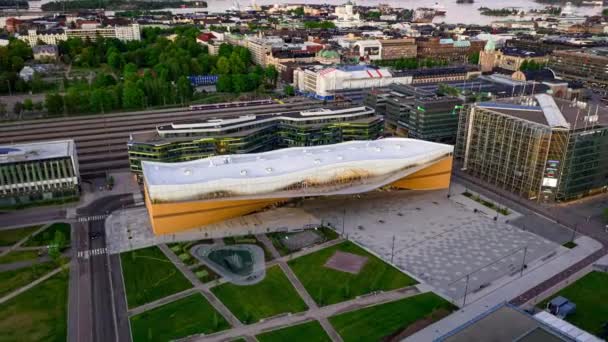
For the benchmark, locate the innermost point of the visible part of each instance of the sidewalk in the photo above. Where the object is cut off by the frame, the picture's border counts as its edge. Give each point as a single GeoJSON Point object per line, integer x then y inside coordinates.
{"type": "Point", "coordinates": [532, 277]}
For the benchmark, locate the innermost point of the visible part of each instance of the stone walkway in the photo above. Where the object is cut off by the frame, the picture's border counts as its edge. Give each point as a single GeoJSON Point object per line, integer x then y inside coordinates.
{"type": "Point", "coordinates": [479, 303]}
{"type": "Point", "coordinates": [295, 282]}
{"type": "Point", "coordinates": [202, 288]}
{"type": "Point", "coordinates": [5, 251]}
{"type": "Point", "coordinates": [319, 314]}
{"type": "Point", "coordinates": [32, 284]}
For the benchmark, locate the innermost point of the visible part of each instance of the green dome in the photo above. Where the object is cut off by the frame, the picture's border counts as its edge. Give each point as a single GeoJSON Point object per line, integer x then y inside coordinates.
{"type": "Point", "coordinates": [329, 54]}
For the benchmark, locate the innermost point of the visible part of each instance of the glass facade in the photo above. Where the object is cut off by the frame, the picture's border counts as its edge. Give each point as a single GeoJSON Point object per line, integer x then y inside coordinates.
{"type": "Point", "coordinates": [24, 182]}
{"type": "Point", "coordinates": [254, 137]}
{"type": "Point", "coordinates": [532, 159]}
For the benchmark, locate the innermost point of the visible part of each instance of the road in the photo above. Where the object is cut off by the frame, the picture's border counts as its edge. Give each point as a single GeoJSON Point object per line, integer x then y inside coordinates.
{"type": "Point", "coordinates": [32, 216]}
{"type": "Point", "coordinates": [97, 302]}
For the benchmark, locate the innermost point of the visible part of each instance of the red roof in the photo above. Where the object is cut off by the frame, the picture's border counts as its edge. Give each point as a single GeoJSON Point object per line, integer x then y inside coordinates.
{"type": "Point", "coordinates": [206, 36]}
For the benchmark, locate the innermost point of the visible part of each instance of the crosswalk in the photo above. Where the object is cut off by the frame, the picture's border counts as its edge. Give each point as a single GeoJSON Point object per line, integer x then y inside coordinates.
{"type": "Point", "coordinates": [92, 218]}
{"type": "Point", "coordinates": [92, 252]}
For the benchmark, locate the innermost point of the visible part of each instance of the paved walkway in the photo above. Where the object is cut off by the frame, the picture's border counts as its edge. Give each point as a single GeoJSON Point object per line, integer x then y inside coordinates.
{"type": "Point", "coordinates": [295, 282]}
{"type": "Point", "coordinates": [22, 241]}
{"type": "Point", "coordinates": [27, 263]}
{"type": "Point", "coordinates": [483, 301]}
{"type": "Point", "coordinates": [32, 284]}
{"type": "Point", "coordinates": [312, 314]}
{"type": "Point", "coordinates": [203, 288]}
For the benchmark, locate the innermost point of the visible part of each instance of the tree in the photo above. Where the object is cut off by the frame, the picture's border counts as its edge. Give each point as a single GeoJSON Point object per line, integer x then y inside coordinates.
{"type": "Point", "coordinates": [224, 84]}
{"type": "Point", "coordinates": [28, 104]}
{"type": "Point", "coordinates": [184, 89]}
{"type": "Point", "coordinates": [474, 58]}
{"type": "Point", "coordinates": [132, 96]}
{"type": "Point", "coordinates": [289, 90]}
{"type": "Point", "coordinates": [17, 108]}
{"type": "Point", "coordinates": [239, 83]}
{"type": "Point", "coordinates": [53, 103]}
{"type": "Point", "coordinates": [271, 74]}
{"type": "Point", "coordinates": [56, 246]}
{"type": "Point", "coordinates": [225, 50]}
{"type": "Point", "coordinates": [223, 66]}
{"type": "Point", "coordinates": [115, 60]}
{"type": "Point", "coordinates": [3, 110]}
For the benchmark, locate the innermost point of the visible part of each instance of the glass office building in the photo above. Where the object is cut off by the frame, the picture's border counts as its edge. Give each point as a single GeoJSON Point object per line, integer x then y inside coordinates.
{"type": "Point", "coordinates": [540, 148]}
{"type": "Point", "coordinates": [191, 140]}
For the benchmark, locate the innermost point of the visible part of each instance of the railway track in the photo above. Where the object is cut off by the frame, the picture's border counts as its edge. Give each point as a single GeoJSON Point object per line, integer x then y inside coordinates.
{"type": "Point", "coordinates": [101, 141]}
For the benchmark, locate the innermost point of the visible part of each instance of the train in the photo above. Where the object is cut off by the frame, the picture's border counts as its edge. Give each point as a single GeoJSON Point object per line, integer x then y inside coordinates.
{"type": "Point", "coordinates": [232, 104]}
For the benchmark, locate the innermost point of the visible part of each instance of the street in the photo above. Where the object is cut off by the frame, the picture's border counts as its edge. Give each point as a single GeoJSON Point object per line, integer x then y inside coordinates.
{"type": "Point", "coordinates": [94, 315]}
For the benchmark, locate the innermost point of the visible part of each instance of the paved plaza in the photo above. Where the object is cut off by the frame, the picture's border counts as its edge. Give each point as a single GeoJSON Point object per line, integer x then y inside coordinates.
{"type": "Point", "coordinates": [438, 240]}
{"type": "Point", "coordinates": [443, 242]}
{"type": "Point", "coordinates": [130, 228]}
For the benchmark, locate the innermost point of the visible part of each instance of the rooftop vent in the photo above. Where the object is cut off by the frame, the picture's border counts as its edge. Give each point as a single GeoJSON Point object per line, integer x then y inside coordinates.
{"type": "Point", "coordinates": [243, 172]}
{"type": "Point", "coordinates": [187, 172]}
{"type": "Point", "coordinates": [268, 170]}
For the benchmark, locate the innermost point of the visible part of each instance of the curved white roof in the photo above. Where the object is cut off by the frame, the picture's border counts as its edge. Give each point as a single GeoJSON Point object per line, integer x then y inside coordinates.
{"type": "Point", "coordinates": [345, 168]}
{"type": "Point", "coordinates": [284, 161]}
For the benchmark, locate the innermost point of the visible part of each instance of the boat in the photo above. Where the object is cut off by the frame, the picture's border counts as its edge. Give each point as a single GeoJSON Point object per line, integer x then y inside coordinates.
{"type": "Point", "coordinates": [439, 9]}
{"type": "Point", "coordinates": [423, 15]}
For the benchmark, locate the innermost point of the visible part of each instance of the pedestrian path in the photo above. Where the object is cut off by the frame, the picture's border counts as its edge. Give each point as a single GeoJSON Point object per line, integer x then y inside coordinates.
{"type": "Point", "coordinates": [483, 301]}
{"type": "Point", "coordinates": [92, 252]}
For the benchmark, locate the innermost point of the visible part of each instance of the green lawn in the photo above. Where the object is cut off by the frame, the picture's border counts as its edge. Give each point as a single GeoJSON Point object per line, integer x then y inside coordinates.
{"type": "Point", "coordinates": [46, 236]}
{"type": "Point", "coordinates": [306, 332]}
{"type": "Point", "coordinates": [272, 296]}
{"type": "Point", "coordinates": [178, 319]}
{"type": "Point", "coordinates": [328, 286]}
{"type": "Point", "coordinates": [12, 236]}
{"type": "Point", "coordinates": [377, 322]}
{"type": "Point", "coordinates": [16, 256]}
{"type": "Point", "coordinates": [12, 280]}
{"type": "Point", "coordinates": [39, 314]}
{"type": "Point", "coordinates": [590, 294]}
{"type": "Point", "coordinates": [150, 276]}
{"type": "Point", "coordinates": [204, 274]}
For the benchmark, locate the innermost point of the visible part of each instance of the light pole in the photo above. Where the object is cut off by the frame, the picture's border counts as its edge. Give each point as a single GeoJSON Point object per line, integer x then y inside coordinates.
{"type": "Point", "coordinates": [343, 219]}
{"type": "Point", "coordinates": [523, 262]}
{"type": "Point", "coordinates": [574, 232]}
{"type": "Point", "coordinates": [466, 288]}
{"type": "Point", "coordinates": [393, 249]}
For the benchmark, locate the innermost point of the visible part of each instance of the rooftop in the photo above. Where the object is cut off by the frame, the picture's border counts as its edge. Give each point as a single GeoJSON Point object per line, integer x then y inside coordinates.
{"type": "Point", "coordinates": [504, 323]}
{"type": "Point", "coordinates": [553, 112]}
{"type": "Point", "coordinates": [286, 161]}
{"type": "Point", "coordinates": [36, 151]}
{"type": "Point", "coordinates": [216, 124]}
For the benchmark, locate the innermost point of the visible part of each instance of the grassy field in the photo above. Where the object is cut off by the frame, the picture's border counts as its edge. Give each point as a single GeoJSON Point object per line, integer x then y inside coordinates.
{"type": "Point", "coordinates": [46, 236]}
{"type": "Point", "coordinates": [272, 296]}
{"type": "Point", "coordinates": [590, 294]}
{"type": "Point", "coordinates": [306, 332]}
{"type": "Point", "coordinates": [16, 256]}
{"type": "Point", "coordinates": [39, 314]}
{"type": "Point", "coordinates": [376, 322]}
{"type": "Point", "coordinates": [204, 274]}
{"type": "Point", "coordinates": [150, 276]}
{"type": "Point", "coordinates": [12, 280]}
{"type": "Point", "coordinates": [184, 317]}
{"type": "Point", "coordinates": [12, 236]}
{"type": "Point", "coordinates": [328, 286]}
